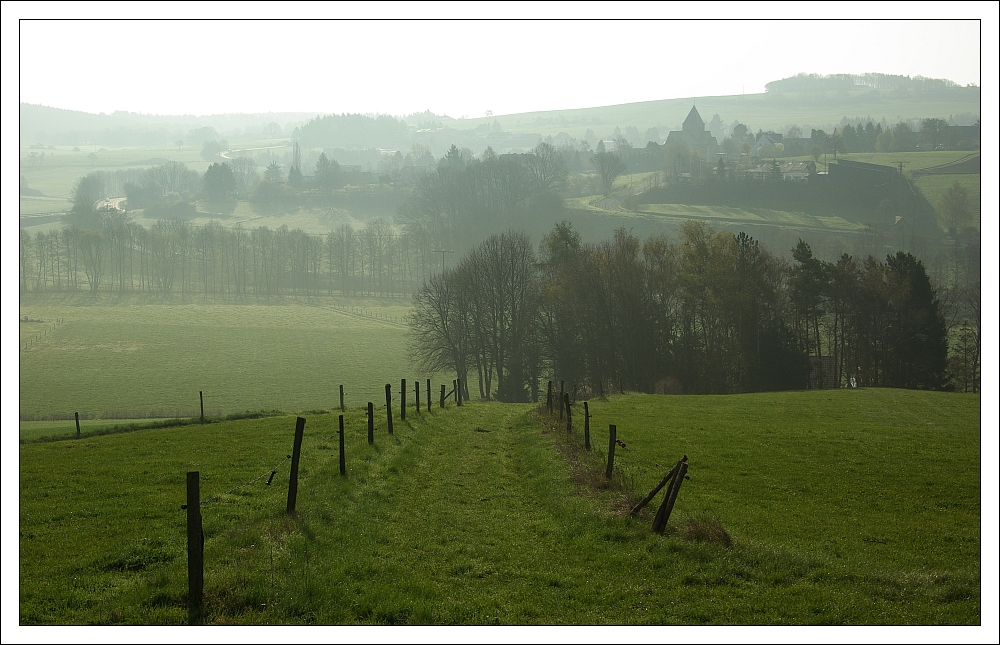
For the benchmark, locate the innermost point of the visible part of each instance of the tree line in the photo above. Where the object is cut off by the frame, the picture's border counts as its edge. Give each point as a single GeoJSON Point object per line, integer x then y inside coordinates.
{"type": "Point", "coordinates": [918, 85]}
{"type": "Point", "coordinates": [173, 256]}
{"type": "Point", "coordinates": [711, 312]}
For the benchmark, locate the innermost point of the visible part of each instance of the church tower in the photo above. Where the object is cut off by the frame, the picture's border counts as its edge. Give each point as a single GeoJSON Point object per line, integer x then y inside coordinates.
{"type": "Point", "coordinates": [693, 124]}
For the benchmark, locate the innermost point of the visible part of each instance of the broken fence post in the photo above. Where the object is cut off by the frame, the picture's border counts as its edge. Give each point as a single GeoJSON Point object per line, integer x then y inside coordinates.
{"type": "Point", "coordinates": [663, 482]}
{"type": "Point", "coordinates": [663, 514]}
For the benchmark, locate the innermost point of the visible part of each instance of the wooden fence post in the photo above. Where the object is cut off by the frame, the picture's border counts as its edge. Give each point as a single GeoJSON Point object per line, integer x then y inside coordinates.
{"type": "Point", "coordinates": [458, 391]}
{"type": "Point", "coordinates": [342, 408]}
{"type": "Point", "coordinates": [195, 549]}
{"type": "Point", "coordinates": [388, 405]}
{"type": "Point", "coordinates": [442, 394]}
{"type": "Point", "coordinates": [371, 423]}
{"type": "Point", "coordinates": [586, 426]}
{"type": "Point", "coordinates": [612, 439]}
{"type": "Point", "coordinates": [402, 399]}
{"type": "Point", "coordinates": [428, 395]}
{"type": "Point", "coordinates": [663, 514]}
{"type": "Point", "coordinates": [201, 398]}
{"type": "Point", "coordinates": [569, 415]}
{"type": "Point", "coordinates": [416, 385]}
{"type": "Point", "coordinates": [548, 398]}
{"type": "Point", "coordinates": [293, 477]}
{"type": "Point", "coordinates": [77, 415]}
{"type": "Point", "coordinates": [663, 482]}
{"type": "Point", "coordinates": [562, 394]}
{"type": "Point", "coordinates": [343, 463]}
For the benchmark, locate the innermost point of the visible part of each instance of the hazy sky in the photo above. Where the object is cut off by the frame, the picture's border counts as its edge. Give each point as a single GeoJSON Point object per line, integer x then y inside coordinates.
{"type": "Point", "coordinates": [462, 67]}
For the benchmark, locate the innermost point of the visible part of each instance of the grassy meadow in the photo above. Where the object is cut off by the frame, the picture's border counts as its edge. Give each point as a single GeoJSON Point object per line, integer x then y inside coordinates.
{"type": "Point", "coordinates": [138, 358]}
{"type": "Point", "coordinates": [57, 172]}
{"type": "Point", "coordinates": [813, 508]}
{"type": "Point", "coordinates": [934, 186]}
{"type": "Point", "coordinates": [726, 215]}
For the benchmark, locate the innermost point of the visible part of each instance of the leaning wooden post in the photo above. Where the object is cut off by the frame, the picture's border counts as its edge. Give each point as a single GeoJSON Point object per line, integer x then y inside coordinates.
{"type": "Point", "coordinates": [388, 405]}
{"type": "Point", "coordinates": [586, 426]}
{"type": "Point", "coordinates": [562, 394]}
{"type": "Point", "coordinates": [293, 477]}
{"type": "Point", "coordinates": [548, 398]}
{"type": "Point", "coordinates": [612, 439]}
{"type": "Point", "coordinates": [343, 464]}
{"type": "Point", "coordinates": [342, 408]}
{"type": "Point", "coordinates": [569, 415]}
{"type": "Point", "coordinates": [442, 394]}
{"type": "Point", "coordinates": [371, 423]}
{"type": "Point", "coordinates": [195, 549]}
{"type": "Point", "coordinates": [402, 399]}
{"type": "Point", "coordinates": [201, 398]}
{"type": "Point", "coordinates": [77, 415]}
{"type": "Point", "coordinates": [663, 514]}
{"type": "Point", "coordinates": [648, 498]}
{"type": "Point", "coordinates": [428, 395]}
{"type": "Point", "coordinates": [416, 385]}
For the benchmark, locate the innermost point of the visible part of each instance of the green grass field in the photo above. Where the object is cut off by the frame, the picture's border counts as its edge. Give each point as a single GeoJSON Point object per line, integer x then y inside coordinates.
{"type": "Point", "coordinates": [757, 216]}
{"type": "Point", "coordinates": [933, 186]}
{"type": "Point", "coordinates": [911, 160]}
{"type": "Point", "coordinates": [57, 173]}
{"type": "Point", "coordinates": [843, 508]}
{"type": "Point", "coordinates": [141, 358]}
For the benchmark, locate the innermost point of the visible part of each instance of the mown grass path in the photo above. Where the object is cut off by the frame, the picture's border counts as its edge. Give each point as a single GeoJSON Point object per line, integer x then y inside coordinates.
{"type": "Point", "coordinates": [471, 522]}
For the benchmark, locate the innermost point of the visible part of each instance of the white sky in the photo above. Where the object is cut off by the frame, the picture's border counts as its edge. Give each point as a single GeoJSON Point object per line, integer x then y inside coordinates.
{"type": "Point", "coordinates": [459, 67]}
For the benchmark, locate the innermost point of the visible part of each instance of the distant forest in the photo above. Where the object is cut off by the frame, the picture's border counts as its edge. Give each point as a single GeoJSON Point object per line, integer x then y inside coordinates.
{"type": "Point", "coordinates": [846, 82]}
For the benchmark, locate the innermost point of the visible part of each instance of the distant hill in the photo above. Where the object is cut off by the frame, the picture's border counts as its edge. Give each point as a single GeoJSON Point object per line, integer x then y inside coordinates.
{"type": "Point", "coordinates": [40, 124]}
{"type": "Point", "coordinates": [806, 101]}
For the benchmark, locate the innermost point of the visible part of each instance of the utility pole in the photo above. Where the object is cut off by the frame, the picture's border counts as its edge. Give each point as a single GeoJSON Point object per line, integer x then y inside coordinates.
{"type": "Point", "coordinates": [442, 252]}
{"type": "Point", "coordinates": [899, 180]}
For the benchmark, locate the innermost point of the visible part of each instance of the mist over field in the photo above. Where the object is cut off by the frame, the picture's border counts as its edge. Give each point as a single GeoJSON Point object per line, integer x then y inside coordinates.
{"type": "Point", "coordinates": [193, 288]}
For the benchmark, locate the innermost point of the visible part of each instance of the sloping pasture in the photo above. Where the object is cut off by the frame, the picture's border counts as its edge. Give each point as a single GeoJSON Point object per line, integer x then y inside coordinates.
{"type": "Point", "coordinates": [844, 507]}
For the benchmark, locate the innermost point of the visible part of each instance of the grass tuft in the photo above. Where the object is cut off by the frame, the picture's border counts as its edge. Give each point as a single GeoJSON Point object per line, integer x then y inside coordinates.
{"type": "Point", "coordinates": [705, 529]}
